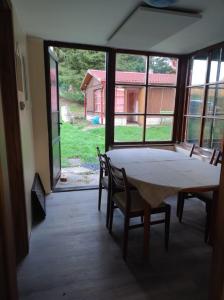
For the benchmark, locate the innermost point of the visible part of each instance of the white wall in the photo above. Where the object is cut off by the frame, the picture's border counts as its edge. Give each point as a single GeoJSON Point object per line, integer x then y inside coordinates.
{"type": "Point", "coordinates": [39, 109]}
{"type": "Point", "coordinates": [25, 117]}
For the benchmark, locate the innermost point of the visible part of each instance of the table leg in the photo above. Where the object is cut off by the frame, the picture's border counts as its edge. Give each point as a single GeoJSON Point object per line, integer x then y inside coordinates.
{"type": "Point", "coordinates": [146, 229]}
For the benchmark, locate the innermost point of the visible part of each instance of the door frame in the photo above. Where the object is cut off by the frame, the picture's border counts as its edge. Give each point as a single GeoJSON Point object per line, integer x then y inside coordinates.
{"type": "Point", "coordinates": [47, 55]}
{"type": "Point", "coordinates": [12, 130]}
{"type": "Point", "coordinates": [109, 97]}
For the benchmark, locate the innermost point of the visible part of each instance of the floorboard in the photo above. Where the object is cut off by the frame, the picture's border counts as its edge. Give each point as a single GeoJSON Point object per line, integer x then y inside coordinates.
{"type": "Point", "coordinates": [72, 256]}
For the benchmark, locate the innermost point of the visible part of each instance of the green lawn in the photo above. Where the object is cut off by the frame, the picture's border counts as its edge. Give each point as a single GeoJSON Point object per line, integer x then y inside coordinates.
{"type": "Point", "coordinates": [77, 141]}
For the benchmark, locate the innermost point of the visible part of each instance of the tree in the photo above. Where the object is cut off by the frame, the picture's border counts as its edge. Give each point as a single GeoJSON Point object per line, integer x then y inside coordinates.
{"type": "Point", "coordinates": [74, 63]}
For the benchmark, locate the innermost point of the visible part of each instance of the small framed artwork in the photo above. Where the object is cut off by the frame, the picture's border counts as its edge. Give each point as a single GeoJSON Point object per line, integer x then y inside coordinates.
{"type": "Point", "coordinates": [21, 72]}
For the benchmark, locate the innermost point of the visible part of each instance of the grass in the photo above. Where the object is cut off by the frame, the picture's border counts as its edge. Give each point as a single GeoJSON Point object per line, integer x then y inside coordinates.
{"type": "Point", "coordinates": [79, 141]}
{"type": "Point", "coordinates": [135, 133]}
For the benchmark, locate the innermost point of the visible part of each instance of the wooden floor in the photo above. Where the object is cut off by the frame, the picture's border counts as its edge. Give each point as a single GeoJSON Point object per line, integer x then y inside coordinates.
{"type": "Point", "coordinates": [72, 256]}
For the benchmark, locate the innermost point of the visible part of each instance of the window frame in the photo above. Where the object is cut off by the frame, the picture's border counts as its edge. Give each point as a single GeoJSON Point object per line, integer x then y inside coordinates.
{"type": "Point", "coordinates": [207, 84]}
{"type": "Point", "coordinates": [147, 85]}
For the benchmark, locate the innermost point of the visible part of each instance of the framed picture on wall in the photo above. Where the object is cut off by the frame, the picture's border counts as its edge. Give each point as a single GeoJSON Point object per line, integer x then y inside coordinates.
{"type": "Point", "coordinates": [21, 72]}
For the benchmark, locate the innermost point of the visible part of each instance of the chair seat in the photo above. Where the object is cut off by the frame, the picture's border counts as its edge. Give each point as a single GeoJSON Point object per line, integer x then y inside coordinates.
{"type": "Point", "coordinates": [207, 196]}
{"type": "Point", "coordinates": [137, 202]}
{"type": "Point", "coordinates": [105, 182]}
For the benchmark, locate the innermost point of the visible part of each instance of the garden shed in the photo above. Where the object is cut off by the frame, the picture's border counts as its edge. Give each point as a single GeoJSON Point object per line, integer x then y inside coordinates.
{"type": "Point", "coordinates": [129, 95]}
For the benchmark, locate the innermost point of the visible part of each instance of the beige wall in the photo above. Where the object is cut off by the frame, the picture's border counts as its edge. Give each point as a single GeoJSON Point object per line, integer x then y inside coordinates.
{"type": "Point", "coordinates": [39, 109]}
{"type": "Point", "coordinates": [25, 116]}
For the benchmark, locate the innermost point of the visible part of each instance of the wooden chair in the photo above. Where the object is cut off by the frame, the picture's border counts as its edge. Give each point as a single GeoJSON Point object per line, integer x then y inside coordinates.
{"type": "Point", "coordinates": [189, 147]}
{"type": "Point", "coordinates": [131, 204]}
{"type": "Point", "coordinates": [104, 181]}
{"type": "Point", "coordinates": [204, 154]}
{"type": "Point", "coordinates": [212, 157]}
{"type": "Point", "coordinates": [207, 197]}
{"type": "Point", "coordinates": [218, 158]}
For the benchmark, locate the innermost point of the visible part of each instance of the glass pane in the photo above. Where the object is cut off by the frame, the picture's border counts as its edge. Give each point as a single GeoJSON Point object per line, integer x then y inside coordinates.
{"type": "Point", "coordinates": [221, 74]}
{"type": "Point", "coordinates": [129, 99]}
{"type": "Point", "coordinates": [161, 100]}
{"type": "Point", "coordinates": [128, 128]}
{"type": "Point", "coordinates": [130, 69]}
{"type": "Point", "coordinates": [198, 70]}
{"type": "Point", "coordinates": [162, 70]}
{"type": "Point", "coordinates": [196, 96]}
{"type": "Point", "coordinates": [214, 65]}
{"type": "Point", "coordinates": [159, 128]}
{"type": "Point", "coordinates": [211, 100]}
{"type": "Point", "coordinates": [219, 107]}
{"type": "Point", "coordinates": [213, 133]}
{"type": "Point", "coordinates": [53, 84]}
{"type": "Point", "coordinates": [215, 103]}
{"type": "Point", "coordinates": [193, 129]}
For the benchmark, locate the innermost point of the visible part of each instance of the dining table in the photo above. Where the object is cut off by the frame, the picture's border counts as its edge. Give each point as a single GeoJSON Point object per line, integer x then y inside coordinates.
{"type": "Point", "coordinates": [158, 173]}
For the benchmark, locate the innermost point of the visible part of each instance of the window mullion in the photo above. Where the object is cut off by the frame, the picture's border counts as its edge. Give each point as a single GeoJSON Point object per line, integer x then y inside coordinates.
{"type": "Point", "coordinates": [146, 97]}
{"type": "Point", "coordinates": [205, 101]}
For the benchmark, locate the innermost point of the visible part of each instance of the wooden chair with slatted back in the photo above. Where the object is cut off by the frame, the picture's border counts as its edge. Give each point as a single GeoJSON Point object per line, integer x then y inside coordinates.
{"type": "Point", "coordinates": [218, 158]}
{"type": "Point", "coordinates": [188, 147]}
{"type": "Point", "coordinates": [209, 155]}
{"type": "Point", "coordinates": [104, 181]}
{"type": "Point", "coordinates": [131, 204]}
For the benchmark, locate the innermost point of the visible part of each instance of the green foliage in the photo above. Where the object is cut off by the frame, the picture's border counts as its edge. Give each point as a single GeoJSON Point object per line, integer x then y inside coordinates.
{"type": "Point", "coordinates": [74, 63]}
{"type": "Point", "coordinates": [160, 64]}
{"type": "Point", "coordinates": [130, 63]}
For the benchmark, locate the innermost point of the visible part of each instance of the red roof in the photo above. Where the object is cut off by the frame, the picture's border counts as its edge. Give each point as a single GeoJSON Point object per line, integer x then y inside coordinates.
{"type": "Point", "coordinates": [132, 77]}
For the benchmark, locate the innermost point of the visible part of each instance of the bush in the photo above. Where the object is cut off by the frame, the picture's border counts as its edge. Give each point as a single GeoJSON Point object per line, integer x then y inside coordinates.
{"type": "Point", "coordinates": [73, 96]}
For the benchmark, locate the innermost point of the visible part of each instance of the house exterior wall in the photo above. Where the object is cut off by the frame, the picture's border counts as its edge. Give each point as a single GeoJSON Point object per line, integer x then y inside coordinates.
{"type": "Point", "coordinates": [93, 85]}
{"type": "Point", "coordinates": [141, 105]}
{"type": "Point", "coordinates": [25, 117]}
{"type": "Point", "coordinates": [39, 109]}
{"type": "Point", "coordinates": [160, 100]}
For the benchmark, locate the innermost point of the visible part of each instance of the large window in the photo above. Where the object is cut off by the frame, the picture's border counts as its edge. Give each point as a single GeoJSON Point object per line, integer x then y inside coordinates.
{"type": "Point", "coordinates": [145, 93]}
{"type": "Point", "coordinates": [204, 114]}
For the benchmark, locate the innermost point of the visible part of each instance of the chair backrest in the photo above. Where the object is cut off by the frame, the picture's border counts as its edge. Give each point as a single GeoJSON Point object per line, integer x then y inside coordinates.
{"type": "Point", "coordinates": [204, 153]}
{"type": "Point", "coordinates": [119, 182]}
{"type": "Point", "coordinates": [218, 158]}
{"type": "Point", "coordinates": [104, 167]}
{"type": "Point", "coordinates": [187, 146]}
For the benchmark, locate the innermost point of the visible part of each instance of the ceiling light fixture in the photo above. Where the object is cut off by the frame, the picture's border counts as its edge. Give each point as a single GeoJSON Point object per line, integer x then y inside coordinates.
{"type": "Point", "coordinates": [160, 3]}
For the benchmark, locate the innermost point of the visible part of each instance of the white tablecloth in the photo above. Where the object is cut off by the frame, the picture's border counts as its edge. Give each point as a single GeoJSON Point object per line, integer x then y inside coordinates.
{"type": "Point", "coordinates": [158, 174]}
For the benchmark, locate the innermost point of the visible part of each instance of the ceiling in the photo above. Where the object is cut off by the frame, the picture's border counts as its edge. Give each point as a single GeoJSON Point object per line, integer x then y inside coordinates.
{"type": "Point", "coordinates": [97, 22]}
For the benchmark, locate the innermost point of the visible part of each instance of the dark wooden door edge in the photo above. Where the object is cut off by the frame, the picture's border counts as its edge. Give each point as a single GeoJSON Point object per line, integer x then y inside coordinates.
{"type": "Point", "coordinates": [12, 132]}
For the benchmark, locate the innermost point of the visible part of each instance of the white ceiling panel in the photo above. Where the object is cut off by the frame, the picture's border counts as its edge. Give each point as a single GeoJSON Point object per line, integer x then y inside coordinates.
{"type": "Point", "coordinates": [147, 27]}
{"type": "Point", "coordinates": [94, 21]}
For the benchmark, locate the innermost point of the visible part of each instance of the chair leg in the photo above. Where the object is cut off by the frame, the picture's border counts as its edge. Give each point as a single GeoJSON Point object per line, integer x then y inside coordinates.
{"type": "Point", "coordinates": [125, 242]}
{"type": "Point", "coordinates": [111, 215]}
{"type": "Point", "coordinates": [180, 206]}
{"type": "Point", "coordinates": [108, 208]}
{"type": "Point", "coordinates": [100, 194]}
{"type": "Point", "coordinates": [207, 224]}
{"type": "Point", "coordinates": [167, 226]}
